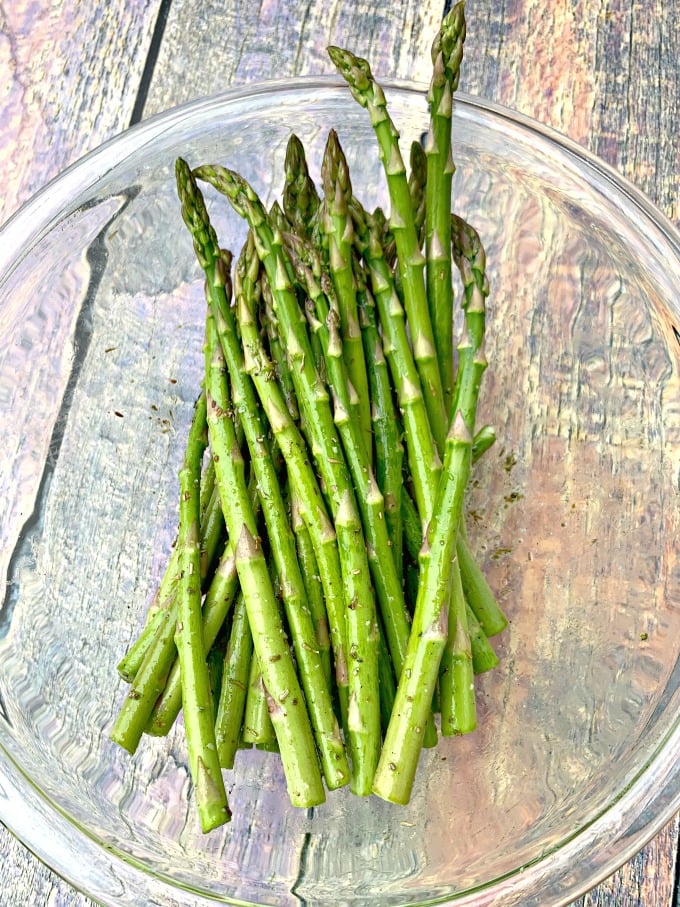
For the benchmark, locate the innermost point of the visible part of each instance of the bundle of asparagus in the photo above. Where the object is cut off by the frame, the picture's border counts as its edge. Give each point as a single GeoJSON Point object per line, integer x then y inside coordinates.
{"type": "Point", "coordinates": [321, 600]}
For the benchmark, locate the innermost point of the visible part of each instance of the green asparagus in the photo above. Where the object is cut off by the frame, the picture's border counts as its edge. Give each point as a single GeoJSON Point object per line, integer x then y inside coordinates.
{"type": "Point", "coordinates": [322, 601]}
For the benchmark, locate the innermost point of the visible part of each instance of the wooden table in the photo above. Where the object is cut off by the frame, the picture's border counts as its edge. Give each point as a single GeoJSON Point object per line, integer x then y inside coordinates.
{"type": "Point", "coordinates": [604, 72]}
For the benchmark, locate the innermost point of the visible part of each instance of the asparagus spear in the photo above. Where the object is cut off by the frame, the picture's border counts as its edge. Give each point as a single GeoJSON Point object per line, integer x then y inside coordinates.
{"type": "Point", "coordinates": [300, 199]}
{"type": "Point", "coordinates": [387, 583]}
{"type": "Point", "coordinates": [447, 54]}
{"type": "Point", "coordinates": [423, 457]}
{"type": "Point", "coordinates": [417, 182]}
{"type": "Point", "coordinates": [403, 740]}
{"type": "Point", "coordinates": [199, 722]}
{"type": "Point", "coordinates": [484, 439]}
{"type": "Point", "coordinates": [131, 662]}
{"type": "Point", "coordinates": [301, 477]}
{"type": "Point", "coordinates": [313, 583]}
{"type": "Point", "coordinates": [235, 674]}
{"type": "Point", "coordinates": [261, 290]}
{"type": "Point", "coordinates": [218, 601]}
{"type": "Point", "coordinates": [283, 548]}
{"type": "Point", "coordinates": [281, 539]}
{"type": "Point", "coordinates": [212, 534]}
{"type": "Point", "coordinates": [257, 725]}
{"type": "Point", "coordinates": [478, 592]}
{"type": "Point", "coordinates": [286, 702]}
{"type": "Point", "coordinates": [388, 686]}
{"type": "Point", "coordinates": [398, 760]}
{"type": "Point", "coordinates": [364, 710]}
{"type": "Point", "coordinates": [456, 671]}
{"type": "Point", "coordinates": [388, 447]}
{"type": "Point", "coordinates": [212, 527]}
{"type": "Point", "coordinates": [337, 226]}
{"type": "Point", "coordinates": [357, 73]}
{"type": "Point", "coordinates": [148, 684]}
{"type": "Point", "coordinates": [483, 656]}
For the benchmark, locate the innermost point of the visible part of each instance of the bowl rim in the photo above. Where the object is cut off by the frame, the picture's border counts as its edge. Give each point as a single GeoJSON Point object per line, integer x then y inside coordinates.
{"type": "Point", "coordinates": [36, 213]}
{"type": "Point", "coordinates": [636, 814]}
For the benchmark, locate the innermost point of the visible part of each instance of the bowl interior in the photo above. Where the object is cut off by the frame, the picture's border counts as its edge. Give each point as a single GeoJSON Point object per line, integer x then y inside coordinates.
{"type": "Point", "coordinates": [573, 515]}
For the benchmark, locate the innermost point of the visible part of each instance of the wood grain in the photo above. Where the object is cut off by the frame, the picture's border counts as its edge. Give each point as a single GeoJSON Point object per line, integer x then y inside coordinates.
{"type": "Point", "coordinates": [603, 73]}
{"type": "Point", "coordinates": [69, 75]}
{"type": "Point", "coordinates": [275, 40]}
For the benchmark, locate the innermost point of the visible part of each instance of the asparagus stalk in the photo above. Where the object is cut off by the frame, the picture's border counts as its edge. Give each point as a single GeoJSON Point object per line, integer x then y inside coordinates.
{"type": "Point", "coordinates": [257, 725]}
{"type": "Point", "coordinates": [235, 675]}
{"type": "Point", "coordinates": [484, 440]}
{"type": "Point", "coordinates": [281, 539]}
{"type": "Point", "coordinates": [300, 199]}
{"type": "Point", "coordinates": [456, 672]}
{"type": "Point", "coordinates": [388, 584]}
{"type": "Point", "coordinates": [357, 73]}
{"type": "Point", "coordinates": [470, 258]}
{"type": "Point", "coordinates": [279, 358]}
{"type": "Point", "coordinates": [364, 710]}
{"type": "Point", "coordinates": [148, 683]}
{"type": "Point", "coordinates": [337, 226]}
{"type": "Point", "coordinates": [483, 656]}
{"type": "Point", "coordinates": [417, 182]}
{"type": "Point", "coordinates": [478, 592]}
{"type": "Point", "coordinates": [158, 668]}
{"type": "Point", "coordinates": [447, 54]}
{"type": "Point", "coordinates": [207, 489]}
{"type": "Point", "coordinates": [423, 457]}
{"type": "Point", "coordinates": [283, 548]}
{"type": "Point", "coordinates": [371, 503]}
{"type": "Point", "coordinates": [199, 722]}
{"type": "Point", "coordinates": [212, 534]}
{"type": "Point", "coordinates": [313, 584]}
{"type": "Point", "coordinates": [218, 601]}
{"type": "Point", "coordinates": [302, 479]}
{"type": "Point", "coordinates": [212, 527]}
{"type": "Point", "coordinates": [388, 686]}
{"type": "Point", "coordinates": [131, 662]}
{"type": "Point", "coordinates": [388, 447]}
{"type": "Point", "coordinates": [403, 740]}
{"type": "Point", "coordinates": [399, 757]}
{"type": "Point", "coordinates": [286, 702]}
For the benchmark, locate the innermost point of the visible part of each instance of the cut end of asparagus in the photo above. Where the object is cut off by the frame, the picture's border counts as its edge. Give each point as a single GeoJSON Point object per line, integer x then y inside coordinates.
{"type": "Point", "coordinates": [213, 809]}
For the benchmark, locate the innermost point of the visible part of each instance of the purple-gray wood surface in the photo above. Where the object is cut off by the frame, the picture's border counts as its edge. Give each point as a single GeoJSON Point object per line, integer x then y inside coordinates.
{"type": "Point", "coordinates": [604, 72]}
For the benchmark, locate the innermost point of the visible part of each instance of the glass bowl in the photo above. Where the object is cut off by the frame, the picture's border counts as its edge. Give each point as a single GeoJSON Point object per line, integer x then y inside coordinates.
{"type": "Point", "coordinates": [574, 516]}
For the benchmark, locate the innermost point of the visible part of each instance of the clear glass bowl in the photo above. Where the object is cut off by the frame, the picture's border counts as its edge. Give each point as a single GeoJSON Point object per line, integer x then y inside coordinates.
{"type": "Point", "coordinates": [574, 515]}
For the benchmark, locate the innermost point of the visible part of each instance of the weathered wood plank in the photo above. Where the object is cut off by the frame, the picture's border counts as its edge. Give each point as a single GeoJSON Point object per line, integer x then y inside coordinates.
{"type": "Point", "coordinates": [273, 40]}
{"type": "Point", "coordinates": [605, 74]}
{"type": "Point", "coordinates": [70, 73]}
